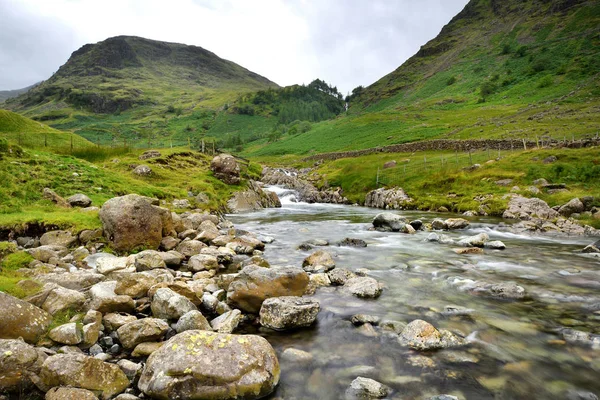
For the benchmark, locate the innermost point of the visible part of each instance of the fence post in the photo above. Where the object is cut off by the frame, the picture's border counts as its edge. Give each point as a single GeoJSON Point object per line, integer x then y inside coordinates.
{"type": "Point", "coordinates": [202, 146]}
{"type": "Point", "coordinates": [524, 144]}
{"type": "Point", "coordinates": [71, 142]}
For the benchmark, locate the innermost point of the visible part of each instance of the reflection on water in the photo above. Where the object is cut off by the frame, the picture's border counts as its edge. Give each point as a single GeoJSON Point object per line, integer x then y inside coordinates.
{"type": "Point", "coordinates": [515, 349]}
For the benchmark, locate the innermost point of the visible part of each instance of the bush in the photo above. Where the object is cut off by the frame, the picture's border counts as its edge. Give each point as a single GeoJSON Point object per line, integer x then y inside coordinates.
{"type": "Point", "coordinates": [3, 145]}
{"type": "Point", "coordinates": [506, 49]}
{"type": "Point", "coordinates": [545, 82]}
{"type": "Point", "coordinates": [451, 81]}
{"type": "Point", "coordinates": [487, 88]}
{"type": "Point", "coordinates": [521, 51]}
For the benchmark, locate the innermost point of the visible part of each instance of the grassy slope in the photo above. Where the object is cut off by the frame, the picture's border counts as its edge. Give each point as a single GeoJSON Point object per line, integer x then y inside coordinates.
{"type": "Point", "coordinates": [550, 89]}
{"type": "Point", "coordinates": [154, 84]}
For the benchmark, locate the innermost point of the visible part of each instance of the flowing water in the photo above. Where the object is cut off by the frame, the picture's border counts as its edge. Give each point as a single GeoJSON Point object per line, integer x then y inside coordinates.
{"type": "Point", "coordinates": [515, 349]}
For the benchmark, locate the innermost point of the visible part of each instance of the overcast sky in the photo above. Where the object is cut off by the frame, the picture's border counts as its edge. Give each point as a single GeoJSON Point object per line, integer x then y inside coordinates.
{"type": "Point", "coordinates": [345, 42]}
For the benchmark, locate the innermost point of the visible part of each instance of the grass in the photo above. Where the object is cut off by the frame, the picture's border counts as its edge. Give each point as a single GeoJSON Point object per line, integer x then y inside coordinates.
{"type": "Point", "coordinates": [10, 275]}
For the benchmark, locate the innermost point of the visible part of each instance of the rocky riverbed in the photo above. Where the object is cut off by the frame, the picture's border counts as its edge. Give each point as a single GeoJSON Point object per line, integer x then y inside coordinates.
{"type": "Point", "coordinates": [302, 301]}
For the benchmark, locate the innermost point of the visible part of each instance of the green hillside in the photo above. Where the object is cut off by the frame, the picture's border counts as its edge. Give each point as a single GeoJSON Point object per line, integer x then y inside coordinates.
{"type": "Point", "coordinates": [9, 94]}
{"type": "Point", "coordinates": [137, 90]}
{"type": "Point", "coordinates": [499, 69]}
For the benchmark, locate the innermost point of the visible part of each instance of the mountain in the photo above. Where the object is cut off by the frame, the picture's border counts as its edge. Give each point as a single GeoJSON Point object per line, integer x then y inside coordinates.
{"type": "Point", "coordinates": [9, 94]}
{"type": "Point", "coordinates": [131, 87]}
{"type": "Point", "coordinates": [499, 69]}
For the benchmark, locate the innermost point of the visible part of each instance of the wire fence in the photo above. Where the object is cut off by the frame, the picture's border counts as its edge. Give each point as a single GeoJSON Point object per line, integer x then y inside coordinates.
{"type": "Point", "coordinates": [395, 172]}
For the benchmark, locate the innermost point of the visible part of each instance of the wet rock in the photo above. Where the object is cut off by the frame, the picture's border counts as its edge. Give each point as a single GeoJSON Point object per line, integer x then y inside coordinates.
{"type": "Point", "coordinates": [494, 245]}
{"type": "Point", "coordinates": [58, 238]}
{"type": "Point", "coordinates": [227, 322]}
{"type": "Point", "coordinates": [456, 223]}
{"type": "Point", "coordinates": [254, 284]}
{"type": "Point", "coordinates": [70, 334]}
{"type": "Point", "coordinates": [226, 169]}
{"type": "Point", "coordinates": [170, 305]}
{"type": "Point", "coordinates": [452, 310]}
{"type": "Point", "coordinates": [22, 319]}
{"type": "Point", "coordinates": [366, 388]}
{"type": "Point", "coordinates": [297, 356]}
{"type": "Point", "coordinates": [288, 312]}
{"type": "Point", "coordinates": [132, 222]}
{"type": "Point", "coordinates": [349, 242]}
{"type": "Point", "coordinates": [421, 335]}
{"type": "Point", "coordinates": [443, 397]}
{"type": "Point", "coordinates": [440, 238]}
{"type": "Point", "coordinates": [339, 276]}
{"type": "Point", "coordinates": [192, 320]}
{"type": "Point", "coordinates": [394, 199]}
{"type": "Point", "coordinates": [245, 245]}
{"type": "Point", "coordinates": [474, 241]}
{"type": "Point", "coordinates": [105, 300]}
{"type": "Point", "coordinates": [389, 222]}
{"type": "Point", "coordinates": [201, 364]}
{"type": "Point", "coordinates": [142, 330]}
{"type": "Point", "coordinates": [319, 261]}
{"type": "Point", "coordinates": [574, 394]}
{"type": "Point", "coordinates": [80, 371]}
{"type": "Point", "coordinates": [527, 208]}
{"type": "Point", "coordinates": [79, 200]}
{"type": "Point", "coordinates": [580, 338]}
{"type": "Point", "coordinates": [69, 393]}
{"type": "Point", "coordinates": [438, 224]}
{"type": "Point", "coordinates": [469, 250]}
{"type": "Point", "coordinates": [20, 365]}
{"type": "Point", "coordinates": [417, 224]}
{"type": "Point", "coordinates": [360, 319]}
{"type": "Point", "coordinates": [253, 198]}
{"type": "Point", "coordinates": [364, 287]}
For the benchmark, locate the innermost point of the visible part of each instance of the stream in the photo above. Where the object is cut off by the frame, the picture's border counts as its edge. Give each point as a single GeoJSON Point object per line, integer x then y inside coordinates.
{"type": "Point", "coordinates": [516, 349]}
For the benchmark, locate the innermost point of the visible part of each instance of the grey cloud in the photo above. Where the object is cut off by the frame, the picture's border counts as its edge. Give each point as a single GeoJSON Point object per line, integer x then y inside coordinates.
{"type": "Point", "coordinates": [31, 47]}
{"type": "Point", "coordinates": [359, 41]}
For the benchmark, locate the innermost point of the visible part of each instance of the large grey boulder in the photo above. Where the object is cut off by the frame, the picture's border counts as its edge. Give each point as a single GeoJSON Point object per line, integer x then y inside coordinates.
{"type": "Point", "coordinates": [227, 322]}
{"type": "Point", "coordinates": [19, 318]}
{"type": "Point", "coordinates": [208, 365]}
{"type": "Point", "coordinates": [20, 365]}
{"type": "Point", "coordinates": [168, 304]}
{"type": "Point", "coordinates": [142, 330]}
{"type": "Point", "coordinates": [288, 312]}
{"type": "Point", "coordinates": [573, 206]}
{"type": "Point", "coordinates": [389, 222]}
{"type": "Point", "coordinates": [133, 222]}
{"type": "Point", "coordinates": [526, 209]}
{"type": "Point", "coordinates": [192, 320]}
{"type": "Point", "coordinates": [421, 335]}
{"type": "Point", "coordinates": [81, 371]}
{"type": "Point", "coordinates": [79, 200]}
{"type": "Point", "coordinates": [254, 284]}
{"type": "Point", "coordinates": [226, 169]}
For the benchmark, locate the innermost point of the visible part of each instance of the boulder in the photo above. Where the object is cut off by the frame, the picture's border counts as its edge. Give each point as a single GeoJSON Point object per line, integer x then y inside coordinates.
{"type": "Point", "coordinates": [167, 304]}
{"type": "Point", "coordinates": [54, 299]}
{"type": "Point", "coordinates": [254, 284]}
{"type": "Point", "coordinates": [69, 393]}
{"type": "Point", "coordinates": [439, 224]}
{"type": "Point", "coordinates": [366, 388]}
{"type": "Point", "coordinates": [106, 265]}
{"type": "Point", "coordinates": [363, 286]}
{"type": "Point", "coordinates": [47, 253]}
{"type": "Point", "coordinates": [319, 261]}
{"type": "Point", "coordinates": [227, 322]}
{"type": "Point", "coordinates": [104, 299]}
{"type": "Point", "coordinates": [190, 248]}
{"type": "Point", "coordinates": [226, 169]}
{"type": "Point", "coordinates": [22, 319]}
{"type": "Point", "coordinates": [245, 244]}
{"type": "Point", "coordinates": [203, 262]}
{"type": "Point", "coordinates": [208, 365]}
{"type": "Point", "coordinates": [208, 231]}
{"type": "Point", "coordinates": [135, 285]}
{"type": "Point", "coordinates": [81, 371]}
{"type": "Point", "coordinates": [573, 206]}
{"type": "Point", "coordinates": [351, 242]}
{"type": "Point", "coordinates": [148, 260]}
{"type": "Point", "coordinates": [192, 320]}
{"type": "Point", "coordinates": [389, 222]}
{"type": "Point", "coordinates": [288, 312]}
{"type": "Point", "coordinates": [113, 321]}
{"type": "Point", "coordinates": [79, 200]}
{"type": "Point", "coordinates": [478, 240]}
{"type": "Point", "coordinates": [20, 365]}
{"type": "Point", "coordinates": [51, 195]}
{"type": "Point", "coordinates": [70, 334]}
{"type": "Point", "coordinates": [421, 335]}
{"type": "Point", "coordinates": [149, 154]}
{"type": "Point", "coordinates": [142, 330]}
{"type": "Point", "coordinates": [494, 245]}
{"type": "Point", "coordinates": [132, 222]}
{"type": "Point", "coordinates": [58, 238]}
{"type": "Point", "coordinates": [528, 208]}
{"type": "Point", "coordinates": [252, 199]}
{"type": "Point", "coordinates": [142, 170]}
{"type": "Point", "coordinates": [78, 280]}
{"type": "Point", "coordinates": [339, 276]}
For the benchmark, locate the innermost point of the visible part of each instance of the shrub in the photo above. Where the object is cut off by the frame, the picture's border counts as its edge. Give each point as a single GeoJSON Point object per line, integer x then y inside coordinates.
{"type": "Point", "coordinates": [545, 81]}
{"type": "Point", "coordinates": [506, 49]}
{"type": "Point", "coordinates": [487, 88]}
{"type": "Point", "coordinates": [451, 81]}
{"type": "Point", "coordinates": [521, 51]}
{"type": "Point", "coordinates": [3, 145]}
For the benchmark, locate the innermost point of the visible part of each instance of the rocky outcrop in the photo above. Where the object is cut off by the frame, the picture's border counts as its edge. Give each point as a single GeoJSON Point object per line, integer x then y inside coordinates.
{"type": "Point", "coordinates": [133, 222]}
{"type": "Point", "coordinates": [208, 365]}
{"type": "Point", "coordinates": [254, 284]}
{"type": "Point", "coordinates": [226, 168]}
{"type": "Point", "coordinates": [253, 198]}
{"type": "Point", "coordinates": [527, 208]}
{"type": "Point", "coordinates": [389, 199]}
{"type": "Point", "coordinates": [22, 319]}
